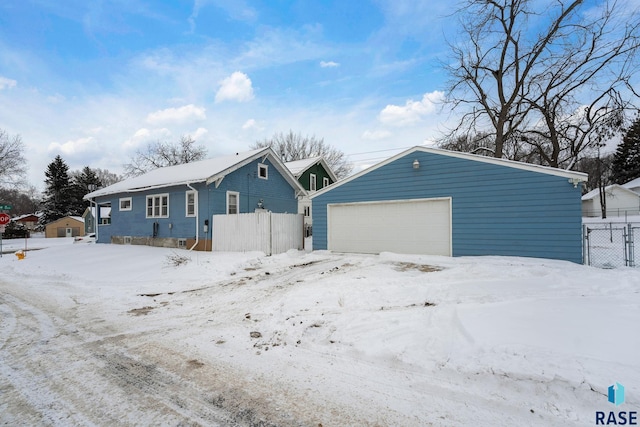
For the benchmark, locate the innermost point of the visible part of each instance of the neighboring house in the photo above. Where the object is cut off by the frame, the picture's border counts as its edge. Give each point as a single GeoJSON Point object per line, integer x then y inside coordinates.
{"type": "Point", "coordinates": [633, 185]}
{"type": "Point", "coordinates": [89, 217]}
{"type": "Point", "coordinates": [313, 174]}
{"type": "Point", "coordinates": [174, 206]}
{"type": "Point", "coordinates": [621, 200]}
{"type": "Point", "coordinates": [68, 226]}
{"type": "Point", "coordinates": [438, 202]}
{"type": "Point", "coordinates": [30, 221]}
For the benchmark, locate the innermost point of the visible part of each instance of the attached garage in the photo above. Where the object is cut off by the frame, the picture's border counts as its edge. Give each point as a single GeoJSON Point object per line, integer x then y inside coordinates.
{"type": "Point", "coordinates": [421, 226]}
{"type": "Point", "coordinates": [438, 202]}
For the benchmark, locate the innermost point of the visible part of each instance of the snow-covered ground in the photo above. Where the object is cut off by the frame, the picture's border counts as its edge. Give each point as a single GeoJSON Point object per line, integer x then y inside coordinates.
{"type": "Point", "coordinates": [131, 335]}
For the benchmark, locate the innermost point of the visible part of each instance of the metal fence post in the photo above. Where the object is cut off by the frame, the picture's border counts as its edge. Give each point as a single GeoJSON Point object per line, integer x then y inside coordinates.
{"type": "Point", "coordinates": [586, 247]}
{"type": "Point", "coordinates": [630, 246]}
{"type": "Point", "coordinates": [625, 240]}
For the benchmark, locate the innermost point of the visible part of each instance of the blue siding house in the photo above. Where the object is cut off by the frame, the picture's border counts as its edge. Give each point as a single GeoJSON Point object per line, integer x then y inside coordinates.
{"type": "Point", "coordinates": [439, 202]}
{"type": "Point", "coordinates": [173, 206]}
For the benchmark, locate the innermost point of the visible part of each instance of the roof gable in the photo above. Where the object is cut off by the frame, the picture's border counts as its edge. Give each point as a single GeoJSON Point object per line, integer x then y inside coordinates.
{"type": "Point", "coordinates": [634, 183]}
{"type": "Point", "coordinates": [570, 175]}
{"type": "Point", "coordinates": [207, 171]}
{"type": "Point", "coordinates": [299, 167]}
{"type": "Point", "coordinates": [609, 188]}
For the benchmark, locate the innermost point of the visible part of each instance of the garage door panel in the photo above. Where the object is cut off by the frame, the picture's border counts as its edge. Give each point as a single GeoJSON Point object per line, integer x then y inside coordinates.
{"type": "Point", "coordinates": [411, 226]}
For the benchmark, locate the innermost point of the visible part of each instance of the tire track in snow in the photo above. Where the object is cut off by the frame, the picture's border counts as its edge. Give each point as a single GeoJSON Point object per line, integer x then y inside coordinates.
{"type": "Point", "coordinates": [51, 376]}
{"type": "Point", "coordinates": [25, 371]}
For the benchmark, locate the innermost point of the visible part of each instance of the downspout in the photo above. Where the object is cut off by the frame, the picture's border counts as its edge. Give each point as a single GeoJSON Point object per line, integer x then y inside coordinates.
{"type": "Point", "coordinates": [197, 222]}
{"type": "Point", "coordinates": [95, 219]}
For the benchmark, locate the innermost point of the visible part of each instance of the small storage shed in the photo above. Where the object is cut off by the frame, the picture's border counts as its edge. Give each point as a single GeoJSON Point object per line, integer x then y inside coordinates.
{"type": "Point", "coordinates": [439, 202]}
{"type": "Point", "coordinates": [68, 226]}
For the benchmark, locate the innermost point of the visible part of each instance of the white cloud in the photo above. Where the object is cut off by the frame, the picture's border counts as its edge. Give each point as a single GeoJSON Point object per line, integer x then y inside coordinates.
{"type": "Point", "coordinates": [374, 135]}
{"type": "Point", "coordinates": [252, 124]}
{"type": "Point", "coordinates": [6, 83]}
{"type": "Point", "coordinates": [178, 115]}
{"type": "Point", "coordinates": [145, 135]}
{"type": "Point", "coordinates": [236, 9]}
{"type": "Point", "coordinates": [273, 47]}
{"type": "Point", "coordinates": [72, 148]}
{"type": "Point", "coordinates": [200, 132]}
{"type": "Point", "coordinates": [412, 112]}
{"type": "Point", "coordinates": [55, 99]}
{"type": "Point", "coordinates": [236, 87]}
{"type": "Point", "coordinates": [329, 64]}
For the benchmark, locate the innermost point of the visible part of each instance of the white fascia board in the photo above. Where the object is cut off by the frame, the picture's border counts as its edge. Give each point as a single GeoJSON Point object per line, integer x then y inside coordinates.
{"type": "Point", "coordinates": [98, 193]}
{"type": "Point", "coordinates": [262, 155]}
{"type": "Point", "coordinates": [571, 175]}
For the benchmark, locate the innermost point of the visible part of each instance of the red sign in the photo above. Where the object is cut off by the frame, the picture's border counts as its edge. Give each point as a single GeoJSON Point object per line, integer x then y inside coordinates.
{"type": "Point", "coordinates": [4, 219]}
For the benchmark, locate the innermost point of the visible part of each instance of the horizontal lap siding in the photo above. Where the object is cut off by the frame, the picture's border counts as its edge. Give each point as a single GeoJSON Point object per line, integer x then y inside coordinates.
{"type": "Point", "coordinates": [135, 222]}
{"type": "Point", "coordinates": [276, 193]}
{"type": "Point", "coordinates": [496, 210]}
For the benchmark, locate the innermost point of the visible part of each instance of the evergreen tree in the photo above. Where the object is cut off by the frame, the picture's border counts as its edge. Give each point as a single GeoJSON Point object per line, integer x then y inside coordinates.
{"type": "Point", "coordinates": [80, 185]}
{"type": "Point", "coordinates": [626, 160]}
{"type": "Point", "coordinates": [58, 194]}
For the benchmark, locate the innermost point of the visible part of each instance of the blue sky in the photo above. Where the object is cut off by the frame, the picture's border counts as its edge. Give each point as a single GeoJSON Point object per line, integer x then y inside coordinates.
{"type": "Point", "coordinates": [95, 80]}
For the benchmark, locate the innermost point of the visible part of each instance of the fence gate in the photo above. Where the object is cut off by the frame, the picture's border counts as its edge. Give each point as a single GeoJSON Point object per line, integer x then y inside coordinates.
{"type": "Point", "coordinates": [271, 233]}
{"type": "Point", "coordinates": [610, 245]}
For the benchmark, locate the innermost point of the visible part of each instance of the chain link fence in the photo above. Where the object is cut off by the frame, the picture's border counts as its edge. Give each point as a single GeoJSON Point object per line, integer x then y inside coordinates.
{"type": "Point", "coordinates": [610, 245]}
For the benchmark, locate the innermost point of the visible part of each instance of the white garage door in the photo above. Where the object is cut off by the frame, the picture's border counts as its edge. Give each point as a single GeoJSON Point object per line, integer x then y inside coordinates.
{"type": "Point", "coordinates": [404, 226]}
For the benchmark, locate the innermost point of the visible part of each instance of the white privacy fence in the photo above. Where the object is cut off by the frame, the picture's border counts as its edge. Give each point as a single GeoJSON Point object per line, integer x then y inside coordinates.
{"type": "Point", "coordinates": [271, 233]}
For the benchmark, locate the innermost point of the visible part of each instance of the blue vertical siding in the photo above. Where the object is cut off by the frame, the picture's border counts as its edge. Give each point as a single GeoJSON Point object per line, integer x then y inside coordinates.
{"type": "Point", "coordinates": [496, 209]}
{"type": "Point", "coordinates": [275, 192]}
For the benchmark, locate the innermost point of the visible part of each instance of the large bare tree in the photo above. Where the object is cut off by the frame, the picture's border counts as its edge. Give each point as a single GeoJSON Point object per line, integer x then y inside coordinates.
{"type": "Point", "coordinates": [293, 146]}
{"type": "Point", "coordinates": [550, 78]}
{"type": "Point", "coordinates": [12, 161]}
{"type": "Point", "coordinates": [160, 154]}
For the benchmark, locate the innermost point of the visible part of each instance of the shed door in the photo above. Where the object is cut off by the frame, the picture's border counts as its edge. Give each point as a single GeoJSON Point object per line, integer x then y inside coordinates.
{"type": "Point", "coordinates": [404, 226]}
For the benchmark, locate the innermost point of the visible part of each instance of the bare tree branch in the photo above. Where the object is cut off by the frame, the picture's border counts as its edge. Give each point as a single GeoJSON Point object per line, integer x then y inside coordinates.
{"type": "Point", "coordinates": [549, 90]}
{"type": "Point", "coordinates": [12, 160]}
{"type": "Point", "coordinates": [293, 146]}
{"type": "Point", "coordinates": [161, 154]}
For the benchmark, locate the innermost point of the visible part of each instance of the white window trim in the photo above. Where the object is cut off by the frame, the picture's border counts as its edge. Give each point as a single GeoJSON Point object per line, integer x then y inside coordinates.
{"type": "Point", "coordinates": [235, 193]}
{"type": "Point", "coordinates": [124, 199]}
{"type": "Point", "coordinates": [266, 171]}
{"type": "Point", "coordinates": [186, 203]}
{"type": "Point", "coordinates": [325, 182]}
{"type": "Point", "coordinates": [313, 182]}
{"type": "Point", "coordinates": [153, 206]}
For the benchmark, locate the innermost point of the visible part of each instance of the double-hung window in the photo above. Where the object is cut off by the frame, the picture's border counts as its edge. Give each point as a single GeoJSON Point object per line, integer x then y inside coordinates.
{"type": "Point", "coordinates": [325, 182]}
{"type": "Point", "coordinates": [263, 171]}
{"type": "Point", "coordinates": [191, 204]}
{"type": "Point", "coordinates": [312, 182]}
{"type": "Point", "coordinates": [158, 206]}
{"type": "Point", "coordinates": [233, 202]}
